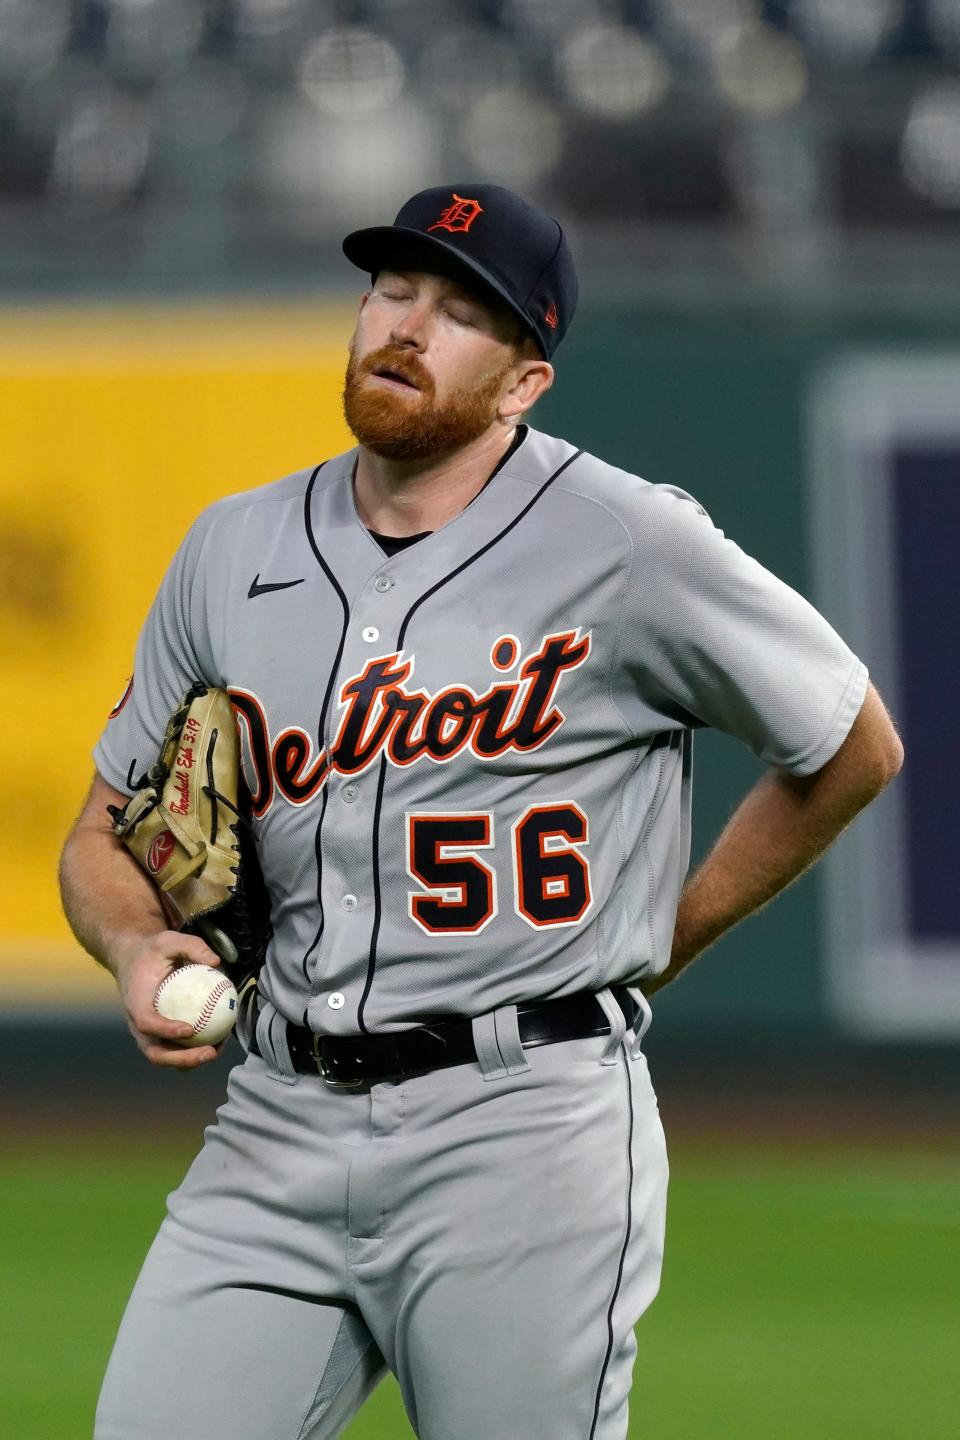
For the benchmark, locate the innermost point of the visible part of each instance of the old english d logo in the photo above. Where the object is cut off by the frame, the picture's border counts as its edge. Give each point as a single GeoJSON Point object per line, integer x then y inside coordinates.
{"type": "Point", "coordinates": [458, 216]}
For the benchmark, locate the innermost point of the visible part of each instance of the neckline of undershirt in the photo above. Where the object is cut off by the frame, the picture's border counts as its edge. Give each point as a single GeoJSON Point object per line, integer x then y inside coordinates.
{"type": "Point", "coordinates": [390, 544]}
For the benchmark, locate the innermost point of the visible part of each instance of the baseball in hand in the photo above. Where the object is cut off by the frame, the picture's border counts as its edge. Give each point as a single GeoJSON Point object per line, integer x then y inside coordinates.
{"type": "Point", "coordinates": [202, 997]}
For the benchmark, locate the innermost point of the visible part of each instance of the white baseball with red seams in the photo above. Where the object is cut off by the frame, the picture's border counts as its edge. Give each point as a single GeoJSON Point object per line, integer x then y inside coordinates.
{"type": "Point", "coordinates": [203, 998]}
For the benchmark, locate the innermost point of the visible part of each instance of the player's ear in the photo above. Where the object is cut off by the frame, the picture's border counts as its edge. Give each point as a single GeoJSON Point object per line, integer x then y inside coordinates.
{"type": "Point", "coordinates": [533, 379]}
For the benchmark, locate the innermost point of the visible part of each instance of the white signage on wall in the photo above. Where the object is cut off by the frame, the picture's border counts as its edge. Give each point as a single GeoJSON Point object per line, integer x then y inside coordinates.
{"type": "Point", "coordinates": [885, 542]}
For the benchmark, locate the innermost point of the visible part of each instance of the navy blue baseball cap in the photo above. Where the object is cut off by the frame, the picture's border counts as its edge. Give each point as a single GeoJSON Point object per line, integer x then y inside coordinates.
{"type": "Point", "coordinates": [511, 247]}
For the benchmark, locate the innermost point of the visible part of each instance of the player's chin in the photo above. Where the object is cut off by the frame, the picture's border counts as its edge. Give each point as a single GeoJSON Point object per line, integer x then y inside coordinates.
{"type": "Point", "coordinates": [377, 411]}
{"type": "Point", "coordinates": [395, 432]}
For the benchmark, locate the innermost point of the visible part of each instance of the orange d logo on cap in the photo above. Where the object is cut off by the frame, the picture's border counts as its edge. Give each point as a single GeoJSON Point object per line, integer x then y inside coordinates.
{"type": "Point", "coordinates": [458, 216]}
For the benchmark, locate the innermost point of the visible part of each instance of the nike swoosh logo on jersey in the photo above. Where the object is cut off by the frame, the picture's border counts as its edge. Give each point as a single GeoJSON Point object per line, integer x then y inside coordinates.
{"type": "Point", "coordinates": [257, 589]}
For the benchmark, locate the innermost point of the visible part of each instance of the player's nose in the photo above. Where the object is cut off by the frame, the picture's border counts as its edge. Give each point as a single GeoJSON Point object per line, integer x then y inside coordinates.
{"type": "Point", "coordinates": [411, 329]}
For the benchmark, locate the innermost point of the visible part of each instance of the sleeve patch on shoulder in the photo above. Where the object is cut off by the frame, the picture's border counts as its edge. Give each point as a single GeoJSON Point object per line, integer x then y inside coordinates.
{"type": "Point", "coordinates": [125, 696]}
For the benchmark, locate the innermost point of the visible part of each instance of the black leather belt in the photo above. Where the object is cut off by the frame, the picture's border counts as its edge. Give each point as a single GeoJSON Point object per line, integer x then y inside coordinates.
{"type": "Point", "coordinates": [350, 1061]}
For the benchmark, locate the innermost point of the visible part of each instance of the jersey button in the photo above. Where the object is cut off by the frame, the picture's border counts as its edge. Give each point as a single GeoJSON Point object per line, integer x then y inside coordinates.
{"type": "Point", "coordinates": [336, 1001]}
{"type": "Point", "coordinates": [349, 902]}
{"type": "Point", "coordinates": [382, 583]}
{"type": "Point", "coordinates": [370, 634]}
{"type": "Point", "coordinates": [349, 794]}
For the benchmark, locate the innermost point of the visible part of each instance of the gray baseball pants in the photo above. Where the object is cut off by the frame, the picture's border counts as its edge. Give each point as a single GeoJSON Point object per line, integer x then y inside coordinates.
{"type": "Point", "coordinates": [489, 1232]}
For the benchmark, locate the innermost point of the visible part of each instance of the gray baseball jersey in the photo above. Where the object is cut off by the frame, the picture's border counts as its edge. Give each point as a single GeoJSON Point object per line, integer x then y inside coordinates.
{"type": "Point", "coordinates": [470, 769]}
{"type": "Point", "coordinates": [470, 762]}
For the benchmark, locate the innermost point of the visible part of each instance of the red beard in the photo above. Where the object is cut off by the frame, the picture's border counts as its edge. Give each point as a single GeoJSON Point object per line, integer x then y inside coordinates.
{"type": "Point", "coordinates": [415, 427]}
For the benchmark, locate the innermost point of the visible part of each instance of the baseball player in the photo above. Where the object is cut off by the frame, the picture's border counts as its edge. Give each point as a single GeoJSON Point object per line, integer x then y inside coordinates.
{"type": "Point", "coordinates": [466, 660]}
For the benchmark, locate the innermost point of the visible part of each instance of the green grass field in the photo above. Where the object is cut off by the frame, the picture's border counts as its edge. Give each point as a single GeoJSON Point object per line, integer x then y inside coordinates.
{"type": "Point", "coordinates": [807, 1295]}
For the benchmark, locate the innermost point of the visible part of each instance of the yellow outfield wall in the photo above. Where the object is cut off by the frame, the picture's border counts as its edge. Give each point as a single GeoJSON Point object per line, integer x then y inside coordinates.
{"type": "Point", "coordinates": [117, 426]}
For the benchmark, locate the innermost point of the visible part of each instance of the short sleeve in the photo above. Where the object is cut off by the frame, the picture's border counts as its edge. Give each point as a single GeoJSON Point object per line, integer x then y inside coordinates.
{"type": "Point", "coordinates": [172, 652]}
{"type": "Point", "coordinates": [713, 638]}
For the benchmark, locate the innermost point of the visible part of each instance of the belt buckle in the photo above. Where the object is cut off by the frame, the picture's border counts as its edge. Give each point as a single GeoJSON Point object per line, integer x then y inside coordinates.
{"type": "Point", "coordinates": [331, 1080]}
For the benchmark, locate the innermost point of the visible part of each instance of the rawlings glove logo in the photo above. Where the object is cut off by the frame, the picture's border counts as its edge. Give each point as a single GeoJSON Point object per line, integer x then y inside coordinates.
{"type": "Point", "coordinates": [159, 850]}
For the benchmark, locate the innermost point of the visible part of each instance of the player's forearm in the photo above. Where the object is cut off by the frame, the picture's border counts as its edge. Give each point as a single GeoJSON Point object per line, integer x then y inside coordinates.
{"type": "Point", "coordinates": [778, 831]}
{"type": "Point", "coordinates": [110, 904]}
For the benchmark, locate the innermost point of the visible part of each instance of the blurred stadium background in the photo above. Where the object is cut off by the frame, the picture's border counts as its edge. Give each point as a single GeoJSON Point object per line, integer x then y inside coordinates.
{"type": "Point", "coordinates": [764, 199]}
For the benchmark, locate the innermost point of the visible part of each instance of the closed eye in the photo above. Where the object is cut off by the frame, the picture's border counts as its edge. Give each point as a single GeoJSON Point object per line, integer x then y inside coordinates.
{"type": "Point", "coordinates": [461, 316]}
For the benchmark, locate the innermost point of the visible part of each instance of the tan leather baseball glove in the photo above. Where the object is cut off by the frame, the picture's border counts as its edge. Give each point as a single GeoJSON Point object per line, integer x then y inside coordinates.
{"type": "Point", "coordinates": [187, 828]}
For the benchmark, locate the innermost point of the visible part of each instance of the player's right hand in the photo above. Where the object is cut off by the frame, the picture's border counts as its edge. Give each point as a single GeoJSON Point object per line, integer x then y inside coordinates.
{"type": "Point", "coordinates": [139, 969]}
